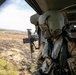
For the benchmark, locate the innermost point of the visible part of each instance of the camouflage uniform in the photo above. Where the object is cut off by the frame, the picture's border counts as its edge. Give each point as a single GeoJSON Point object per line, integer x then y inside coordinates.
{"type": "Point", "coordinates": [45, 63]}
{"type": "Point", "coordinates": [72, 60]}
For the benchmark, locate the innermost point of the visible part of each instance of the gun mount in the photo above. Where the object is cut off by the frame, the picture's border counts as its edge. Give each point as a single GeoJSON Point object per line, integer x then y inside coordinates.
{"type": "Point", "coordinates": [31, 39]}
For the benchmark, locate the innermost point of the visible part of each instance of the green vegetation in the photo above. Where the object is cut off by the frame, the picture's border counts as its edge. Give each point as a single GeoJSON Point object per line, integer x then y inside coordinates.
{"type": "Point", "coordinates": [32, 68]}
{"type": "Point", "coordinates": [7, 68]}
{"type": "Point", "coordinates": [3, 72]}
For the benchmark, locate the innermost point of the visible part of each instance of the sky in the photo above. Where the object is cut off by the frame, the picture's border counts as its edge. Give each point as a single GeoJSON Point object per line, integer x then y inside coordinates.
{"type": "Point", "coordinates": [15, 15]}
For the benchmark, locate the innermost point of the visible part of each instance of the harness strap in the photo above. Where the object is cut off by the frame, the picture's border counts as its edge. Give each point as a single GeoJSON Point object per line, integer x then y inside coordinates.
{"type": "Point", "coordinates": [64, 54]}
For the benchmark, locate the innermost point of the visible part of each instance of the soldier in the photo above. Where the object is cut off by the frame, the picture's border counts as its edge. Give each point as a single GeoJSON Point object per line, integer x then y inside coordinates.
{"type": "Point", "coordinates": [59, 53]}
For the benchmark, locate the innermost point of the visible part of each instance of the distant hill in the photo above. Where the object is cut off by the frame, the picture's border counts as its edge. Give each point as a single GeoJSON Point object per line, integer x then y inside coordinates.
{"type": "Point", "coordinates": [2, 29]}
{"type": "Point", "coordinates": [11, 30]}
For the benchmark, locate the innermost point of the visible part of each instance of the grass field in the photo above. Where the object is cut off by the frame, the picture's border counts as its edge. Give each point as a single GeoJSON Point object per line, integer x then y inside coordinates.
{"type": "Point", "coordinates": [15, 57]}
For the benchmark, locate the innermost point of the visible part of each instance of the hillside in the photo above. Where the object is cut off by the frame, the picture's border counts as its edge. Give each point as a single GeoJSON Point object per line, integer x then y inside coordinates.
{"type": "Point", "coordinates": [15, 57]}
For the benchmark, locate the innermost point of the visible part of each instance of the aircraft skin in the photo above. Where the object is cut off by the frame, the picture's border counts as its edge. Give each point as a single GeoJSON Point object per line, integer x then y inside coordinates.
{"type": "Point", "coordinates": [41, 6]}
{"type": "Point", "coordinates": [2, 1]}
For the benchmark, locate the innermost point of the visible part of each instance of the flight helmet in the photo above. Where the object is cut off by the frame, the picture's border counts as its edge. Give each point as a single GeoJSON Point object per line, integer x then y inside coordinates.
{"type": "Point", "coordinates": [51, 20]}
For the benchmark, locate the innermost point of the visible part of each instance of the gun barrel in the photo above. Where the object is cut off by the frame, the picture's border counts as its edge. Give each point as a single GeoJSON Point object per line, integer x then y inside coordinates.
{"type": "Point", "coordinates": [26, 40]}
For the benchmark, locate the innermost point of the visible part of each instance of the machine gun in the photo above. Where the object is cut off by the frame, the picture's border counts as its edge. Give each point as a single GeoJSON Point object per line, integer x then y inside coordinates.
{"type": "Point", "coordinates": [31, 39]}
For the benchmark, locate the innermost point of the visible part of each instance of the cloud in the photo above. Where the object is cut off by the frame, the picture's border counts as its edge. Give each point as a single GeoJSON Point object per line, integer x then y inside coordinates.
{"type": "Point", "coordinates": [17, 19]}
